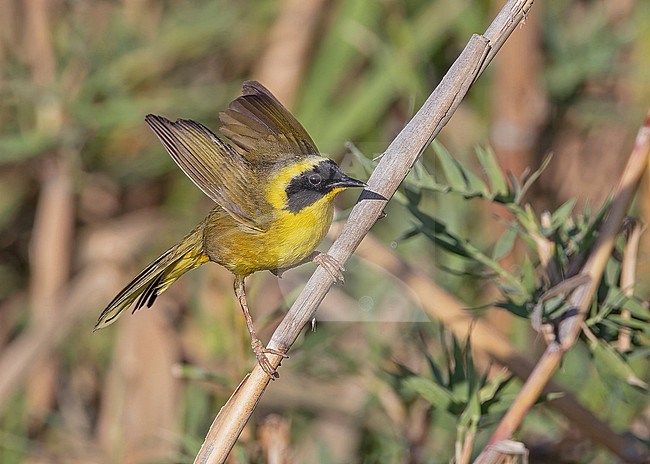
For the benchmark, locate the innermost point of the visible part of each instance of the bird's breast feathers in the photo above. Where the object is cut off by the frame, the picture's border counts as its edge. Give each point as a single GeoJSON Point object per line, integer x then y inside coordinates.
{"type": "Point", "coordinates": [289, 239]}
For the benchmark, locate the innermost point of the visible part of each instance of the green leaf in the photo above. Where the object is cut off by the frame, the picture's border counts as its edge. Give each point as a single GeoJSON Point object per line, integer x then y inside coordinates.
{"type": "Point", "coordinates": [611, 363]}
{"type": "Point", "coordinates": [529, 275]}
{"type": "Point", "coordinates": [515, 187]}
{"type": "Point", "coordinates": [436, 395]}
{"type": "Point", "coordinates": [493, 172]}
{"type": "Point", "coordinates": [505, 243]}
{"type": "Point", "coordinates": [457, 374]}
{"type": "Point", "coordinates": [440, 235]}
{"type": "Point", "coordinates": [490, 390]}
{"type": "Point", "coordinates": [528, 220]}
{"type": "Point", "coordinates": [634, 324]}
{"type": "Point", "coordinates": [477, 186]}
{"type": "Point", "coordinates": [561, 215]}
{"type": "Point", "coordinates": [518, 309]}
{"type": "Point", "coordinates": [366, 163]}
{"type": "Point", "coordinates": [530, 180]}
{"type": "Point", "coordinates": [454, 172]}
{"type": "Point", "coordinates": [635, 307]}
{"type": "Point", "coordinates": [642, 353]}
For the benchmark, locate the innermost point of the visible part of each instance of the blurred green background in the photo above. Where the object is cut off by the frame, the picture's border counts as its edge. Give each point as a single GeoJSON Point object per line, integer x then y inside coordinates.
{"type": "Point", "coordinates": [88, 196]}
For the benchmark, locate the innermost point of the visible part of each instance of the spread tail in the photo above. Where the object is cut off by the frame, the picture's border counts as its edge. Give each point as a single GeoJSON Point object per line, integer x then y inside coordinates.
{"type": "Point", "coordinates": [157, 277]}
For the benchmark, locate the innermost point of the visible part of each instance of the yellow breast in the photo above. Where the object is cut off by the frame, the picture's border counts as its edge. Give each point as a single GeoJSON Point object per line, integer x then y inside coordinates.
{"type": "Point", "coordinates": [289, 239]}
{"type": "Point", "coordinates": [294, 236]}
{"type": "Point", "coordinates": [286, 239]}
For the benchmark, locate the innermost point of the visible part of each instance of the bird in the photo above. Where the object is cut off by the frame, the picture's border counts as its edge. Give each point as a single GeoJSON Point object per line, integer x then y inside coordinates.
{"type": "Point", "coordinates": [274, 202]}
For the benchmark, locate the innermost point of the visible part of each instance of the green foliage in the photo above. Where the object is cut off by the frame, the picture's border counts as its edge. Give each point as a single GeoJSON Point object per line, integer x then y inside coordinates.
{"type": "Point", "coordinates": [456, 389]}
{"type": "Point", "coordinates": [561, 241]}
{"type": "Point", "coordinates": [584, 47]}
{"type": "Point", "coordinates": [374, 53]}
{"type": "Point", "coordinates": [461, 391]}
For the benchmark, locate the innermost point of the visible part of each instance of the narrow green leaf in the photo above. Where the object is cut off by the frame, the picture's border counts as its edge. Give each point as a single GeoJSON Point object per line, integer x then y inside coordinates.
{"type": "Point", "coordinates": [634, 324]}
{"type": "Point", "coordinates": [635, 308]}
{"type": "Point", "coordinates": [366, 163]}
{"type": "Point", "coordinates": [528, 275]}
{"type": "Point", "coordinates": [530, 180]}
{"type": "Point", "coordinates": [516, 308]}
{"type": "Point", "coordinates": [477, 186]}
{"type": "Point", "coordinates": [612, 363]}
{"type": "Point", "coordinates": [504, 244]}
{"type": "Point", "coordinates": [436, 395]}
{"type": "Point", "coordinates": [452, 169]}
{"type": "Point", "coordinates": [515, 189]}
{"type": "Point", "coordinates": [561, 215]}
{"type": "Point", "coordinates": [493, 171]}
{"type": "Point", "coordinates": [460, 179]}
{"type": "Point", "coordinates": [642, 352]}
{"type": "Point", "coordinates": [494, 386]}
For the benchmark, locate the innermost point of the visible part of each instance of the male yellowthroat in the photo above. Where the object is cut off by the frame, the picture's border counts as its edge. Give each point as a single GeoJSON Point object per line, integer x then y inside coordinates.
{"type": "Point", "coordinates": [274, 196]}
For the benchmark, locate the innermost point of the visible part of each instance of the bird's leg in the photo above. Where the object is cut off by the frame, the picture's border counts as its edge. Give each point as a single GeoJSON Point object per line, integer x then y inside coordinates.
{"type": "Point", "coordinates": [258, 347]}
{"type": "Point", "coordinates": [331, 265]}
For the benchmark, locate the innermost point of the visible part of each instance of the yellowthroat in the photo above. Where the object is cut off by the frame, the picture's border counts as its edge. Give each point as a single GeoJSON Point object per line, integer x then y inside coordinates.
{"type": "Point", "coordinates": [274, 198]}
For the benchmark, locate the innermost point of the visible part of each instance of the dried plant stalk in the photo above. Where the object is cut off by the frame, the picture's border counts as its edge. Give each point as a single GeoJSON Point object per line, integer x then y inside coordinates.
{"type": "Point", "coordinates": [628, 278]}
{"type": "Point", "coordinates": [284, 61]}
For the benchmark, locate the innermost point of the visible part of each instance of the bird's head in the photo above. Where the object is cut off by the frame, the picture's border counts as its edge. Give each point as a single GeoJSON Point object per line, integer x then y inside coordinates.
{"type": "Point", "coordinates": [310, 180]}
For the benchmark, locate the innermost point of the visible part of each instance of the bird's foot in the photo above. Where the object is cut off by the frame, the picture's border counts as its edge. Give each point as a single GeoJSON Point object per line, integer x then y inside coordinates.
{"type": "Point", "coordinates": [331, 265]}
{"type": "Point", "coordinates": [260, 353]}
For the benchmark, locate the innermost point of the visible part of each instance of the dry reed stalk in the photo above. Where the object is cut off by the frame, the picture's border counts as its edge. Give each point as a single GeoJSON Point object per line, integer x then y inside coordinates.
{"type": "Point", "coordinates": [23, 355]}
{"type": "Point", "coordinates": [274, 437]}
{"type": "Point", "coordinates": [50, 256]}
{"type": "Point", "coordinates": [519, 103]}
{"type": "Point", "coordinates": [628, 278]}
{"type": "Point", "coordinates": [284, 61]}
{"type": "Point", "coordinates": [519, 110]}
{"type": "Point", "coordinates": [139, 413]}
{"type": "Point", "coordinates": [51, 242]}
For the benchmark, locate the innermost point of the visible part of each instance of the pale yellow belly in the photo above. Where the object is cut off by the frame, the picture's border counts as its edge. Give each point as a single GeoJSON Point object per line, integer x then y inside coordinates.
{"type": "Point", "coordinates": [289, 239]}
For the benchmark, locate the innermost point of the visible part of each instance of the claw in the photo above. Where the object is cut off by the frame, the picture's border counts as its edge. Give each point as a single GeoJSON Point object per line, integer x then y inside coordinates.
{"type": "Point", "coordinates": [261, 352]}
{"type": "Point", "coordinates": [331, 265]}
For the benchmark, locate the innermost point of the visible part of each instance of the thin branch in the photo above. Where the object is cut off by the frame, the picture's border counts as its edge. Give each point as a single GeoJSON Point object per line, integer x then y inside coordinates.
{"type": "Point", "coordinates": [389, 173]}
{"type": "Point", "coordinates": [581, 298]}
{"type": "Point", "coordinates": [283, 63]}
{"type": "Point", "coordinates": [628, 278]}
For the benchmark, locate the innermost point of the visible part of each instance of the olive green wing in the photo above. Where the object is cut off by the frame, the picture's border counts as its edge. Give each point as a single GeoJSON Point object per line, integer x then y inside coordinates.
{"type": "Point", "coordinates": [215, 167]}
{"type": "Point", "coordinates": [263, 128]}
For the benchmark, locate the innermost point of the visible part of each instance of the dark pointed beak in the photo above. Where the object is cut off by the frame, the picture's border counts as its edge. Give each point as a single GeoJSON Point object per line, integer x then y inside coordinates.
{"type": "Point", "coordinates": [343, 181]}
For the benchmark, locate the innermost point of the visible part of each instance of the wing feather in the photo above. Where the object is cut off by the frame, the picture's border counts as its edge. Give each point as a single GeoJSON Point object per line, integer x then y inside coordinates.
{"type": "Point", "coordinates": [216, 168]}
{"type": "Point", "coordinates": [263, 129]}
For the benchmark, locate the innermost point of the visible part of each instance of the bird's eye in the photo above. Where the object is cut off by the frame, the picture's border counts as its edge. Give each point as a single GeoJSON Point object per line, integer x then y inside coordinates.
{"type": "Point", "coordinates": [315, 179]}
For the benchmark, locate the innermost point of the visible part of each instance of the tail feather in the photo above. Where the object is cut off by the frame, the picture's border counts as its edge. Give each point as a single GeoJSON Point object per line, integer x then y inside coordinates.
{"type": "Point", "coordinates": [156, 278]}
{"type": "Point", "coordinates": [149, 295]}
